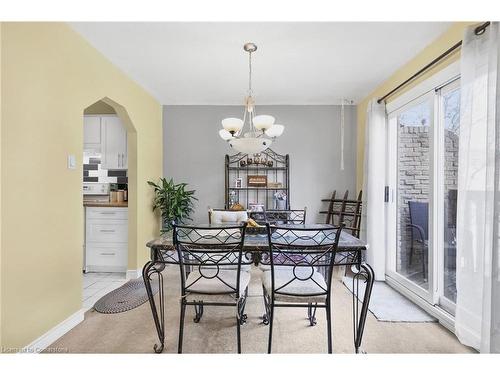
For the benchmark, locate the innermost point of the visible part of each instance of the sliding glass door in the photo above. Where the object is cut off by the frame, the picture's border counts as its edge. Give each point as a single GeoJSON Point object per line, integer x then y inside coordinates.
{"type": "Point", "coordinates": [422, 179]}
{"type": "Point", "coordinates": [412, 130]}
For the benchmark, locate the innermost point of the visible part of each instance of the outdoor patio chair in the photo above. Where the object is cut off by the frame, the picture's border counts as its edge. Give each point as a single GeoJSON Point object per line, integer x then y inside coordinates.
{"type": "Point", "coordinates": [419, 223]}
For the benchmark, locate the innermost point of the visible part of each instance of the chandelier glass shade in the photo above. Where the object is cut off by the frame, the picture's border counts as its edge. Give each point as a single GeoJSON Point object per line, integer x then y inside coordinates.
{"type": "Point", "coordinates": [262, 130]}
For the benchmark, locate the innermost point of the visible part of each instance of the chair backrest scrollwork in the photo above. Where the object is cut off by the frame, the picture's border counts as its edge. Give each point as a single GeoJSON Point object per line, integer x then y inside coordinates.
{"type": "Point", "coordinates": [210, 251]}
{"type": "Point", "coordinates": [301, 252]}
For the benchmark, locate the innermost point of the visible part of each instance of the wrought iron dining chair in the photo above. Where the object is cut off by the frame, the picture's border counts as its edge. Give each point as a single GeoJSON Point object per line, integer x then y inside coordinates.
{"type": "Point", "coordinates": [301, 261]}
{"type": "Point", "coordinates": [277, 217]}
{"type": "Point", "coordinates": [212, 263]}
{"type": "Point", "coordinates": [222, 216]}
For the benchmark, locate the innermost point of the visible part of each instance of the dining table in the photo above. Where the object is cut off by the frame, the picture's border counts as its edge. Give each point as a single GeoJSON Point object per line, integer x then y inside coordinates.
{"type": "Point", "coordinates": [350, 253]}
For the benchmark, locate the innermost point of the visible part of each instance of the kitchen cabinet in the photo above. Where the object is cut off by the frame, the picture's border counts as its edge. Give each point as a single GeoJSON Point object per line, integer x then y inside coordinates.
{"type": "Point", "coordinates": [114, 145]}
{"type": "Point", "coordinates": [92, 133]}
{"type": "Point", "coordinates": [106, 239]}
{"type": "Point", "coordinates": [107, 135]}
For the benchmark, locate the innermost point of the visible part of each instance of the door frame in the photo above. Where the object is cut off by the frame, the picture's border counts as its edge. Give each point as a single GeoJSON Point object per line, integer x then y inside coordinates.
{"type": "Point", "coordinates": [392, 206]}
{"type": "Point", "coordinates": [440, 298]}
{"type": "Point", "coordinates": [430, 89]}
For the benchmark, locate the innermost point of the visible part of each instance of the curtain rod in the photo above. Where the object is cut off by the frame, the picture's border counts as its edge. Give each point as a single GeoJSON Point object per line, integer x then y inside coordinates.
{"type": "Point", "coordinates": [478, 31]}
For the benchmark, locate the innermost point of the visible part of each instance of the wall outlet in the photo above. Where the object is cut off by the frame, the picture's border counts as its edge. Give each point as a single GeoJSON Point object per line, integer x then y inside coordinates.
{"type": "Point", "coordinates": [71, 162]}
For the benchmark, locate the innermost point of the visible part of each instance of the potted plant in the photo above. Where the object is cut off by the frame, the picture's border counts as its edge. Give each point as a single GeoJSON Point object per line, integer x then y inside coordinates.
{"type": "Point", "coordinates": [174, 202]}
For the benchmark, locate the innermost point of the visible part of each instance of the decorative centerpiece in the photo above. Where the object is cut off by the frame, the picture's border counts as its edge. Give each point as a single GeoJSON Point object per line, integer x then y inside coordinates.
{"type": "Point", "coordinates": [174, 202]}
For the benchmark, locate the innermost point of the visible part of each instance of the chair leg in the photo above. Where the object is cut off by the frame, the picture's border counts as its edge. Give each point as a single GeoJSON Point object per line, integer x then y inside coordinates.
{"type": "Point", "coordinates": [271, 318]}
{"type": "Point", "coordinates": [198, 309]}
{"type": "Point", "coordinates": [181, 326]}
{"type": "Point", "coordinates": [423, 262]}
{"type": "Point", "coordinates": [410, 257]}
{"type": "Point", "coordinates": [265, 317]}
{"type": "Point", "coordinates": [241, 308]}
{"type": "Point", "coordinates": [238, 334]}
{"type": "Point", "coordinates": [311, 313]}
{"type": "Point", "coordinates": [329, 327]}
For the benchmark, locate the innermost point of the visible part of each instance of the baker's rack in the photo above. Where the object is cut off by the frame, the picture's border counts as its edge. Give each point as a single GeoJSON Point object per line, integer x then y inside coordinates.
{"type": "Point", "coordinates": [245, 195]}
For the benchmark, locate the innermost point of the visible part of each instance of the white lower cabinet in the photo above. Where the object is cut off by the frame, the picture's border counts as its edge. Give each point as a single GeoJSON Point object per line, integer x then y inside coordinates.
{"type": "Point", "coordinates": [106, 239]}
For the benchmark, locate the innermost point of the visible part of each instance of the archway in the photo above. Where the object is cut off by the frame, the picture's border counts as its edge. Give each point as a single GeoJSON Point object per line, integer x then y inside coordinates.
{"type": "Point", "coordinates": [108, 107]}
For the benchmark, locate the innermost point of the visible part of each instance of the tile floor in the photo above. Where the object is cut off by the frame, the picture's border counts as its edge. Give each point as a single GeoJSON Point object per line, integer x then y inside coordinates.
{"type": "Point", "coordinates": [97, 284]}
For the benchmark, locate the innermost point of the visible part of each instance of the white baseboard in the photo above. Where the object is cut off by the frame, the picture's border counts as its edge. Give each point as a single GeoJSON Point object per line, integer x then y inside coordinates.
{"type": "Point", "coordinates": [133, 274]}
{"type": "Point", "coordinates": [52, 335]}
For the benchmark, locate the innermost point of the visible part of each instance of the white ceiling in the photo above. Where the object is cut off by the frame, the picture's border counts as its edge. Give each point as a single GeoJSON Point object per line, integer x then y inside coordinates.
{"type": "Point", "coordinates": [296, 63]}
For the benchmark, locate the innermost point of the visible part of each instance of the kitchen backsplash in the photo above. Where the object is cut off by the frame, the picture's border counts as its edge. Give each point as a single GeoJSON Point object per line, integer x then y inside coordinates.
{"type": "Point", "coordinates": [92, 171]}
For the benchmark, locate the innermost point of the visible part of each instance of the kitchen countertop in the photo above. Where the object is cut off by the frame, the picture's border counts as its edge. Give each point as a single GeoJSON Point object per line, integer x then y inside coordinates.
{"type": "Point", "coordinates": [105, 204]}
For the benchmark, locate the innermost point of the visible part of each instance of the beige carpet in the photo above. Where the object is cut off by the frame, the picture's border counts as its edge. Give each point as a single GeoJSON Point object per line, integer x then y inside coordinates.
{"type": "Point", "coordinates": [133, 331]}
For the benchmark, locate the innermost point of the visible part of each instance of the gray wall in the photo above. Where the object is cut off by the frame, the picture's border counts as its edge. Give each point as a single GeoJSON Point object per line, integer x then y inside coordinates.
{"type": "Point", "coordinates": [194, 152]}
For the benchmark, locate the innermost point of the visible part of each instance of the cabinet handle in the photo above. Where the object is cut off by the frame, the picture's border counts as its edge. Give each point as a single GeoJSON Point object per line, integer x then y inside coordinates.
{"type": "Point", "coordinates": [118, 160]}
{"type": "Point", "coordinates": [107, 253]}
{"type": "Point", "coordinates": [108, 213]}
{"type": "Point", "coordinates": [107, 230]}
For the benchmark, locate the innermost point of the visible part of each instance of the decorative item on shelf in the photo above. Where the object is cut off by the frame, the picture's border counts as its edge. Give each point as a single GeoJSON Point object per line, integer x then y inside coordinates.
{"type": "Point", "coordinates": [262, 129]}
{"type": "Point", "coordinates": [256, 207]}
{"type": "Point", "coordinates": [257, 181]}
{"type": "Point", "coordinates": [249, 161]}
{"type": "Point", "coordinates": [274, 185]}
{"type": "Point", "coordinates": [280, 200]}
{"type": "Point", "coordinates": [174, 202]}
{"type": "Point", "coordinates": [232, 198]}
{"type": "Point", "coordinates": [238, 182]}
{"type": "Point", "coordinates": [236, 207]}
{"type": "Point", "coordinates": [243, 163]}
{"type": "Point", "coordinates": [269, 163]}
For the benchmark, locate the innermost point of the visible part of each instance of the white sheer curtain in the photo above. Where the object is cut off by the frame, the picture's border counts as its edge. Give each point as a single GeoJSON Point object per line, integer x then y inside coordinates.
{"type": "Point", "coordinates": [477, 320]}
{"type": "Point", "coordinates": [373, 188]}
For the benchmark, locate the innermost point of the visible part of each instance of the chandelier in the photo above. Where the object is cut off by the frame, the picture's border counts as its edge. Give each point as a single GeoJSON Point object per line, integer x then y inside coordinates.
{"type": "Point", "coordinates": [262, 130]}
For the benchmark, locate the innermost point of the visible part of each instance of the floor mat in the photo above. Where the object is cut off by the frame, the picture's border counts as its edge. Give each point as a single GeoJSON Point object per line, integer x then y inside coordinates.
{"type": "Point", "coordinates": [390, 306]}
{"type": "Point", "coordinates": [127, 297]}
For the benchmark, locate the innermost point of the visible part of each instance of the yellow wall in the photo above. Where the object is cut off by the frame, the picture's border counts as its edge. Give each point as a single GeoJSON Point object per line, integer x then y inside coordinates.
{"type": "Point", "coordinates": [450, 37]}
{"type": "Point", "coordinates": [49, 75]}
{"type": "Point", "coordinates": [99, 108]}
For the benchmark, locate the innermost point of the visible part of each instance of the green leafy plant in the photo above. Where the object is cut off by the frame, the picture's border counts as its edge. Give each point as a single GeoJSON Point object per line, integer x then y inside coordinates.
{"type": "Point", "coordinates": [174, 202]}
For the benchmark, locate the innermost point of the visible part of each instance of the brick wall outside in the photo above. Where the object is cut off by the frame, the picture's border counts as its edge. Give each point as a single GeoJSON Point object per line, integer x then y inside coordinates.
{"type": "Point", "coordinates": [413, 184]}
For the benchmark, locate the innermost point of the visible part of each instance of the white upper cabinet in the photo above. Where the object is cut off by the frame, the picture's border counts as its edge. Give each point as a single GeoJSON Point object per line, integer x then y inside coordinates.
{"type": "Point", "coordinates": [107, 135]}
{"type": "Point", "coordinates": [114, 152]}
{"type": "Point", "coordinates": [92, 133]}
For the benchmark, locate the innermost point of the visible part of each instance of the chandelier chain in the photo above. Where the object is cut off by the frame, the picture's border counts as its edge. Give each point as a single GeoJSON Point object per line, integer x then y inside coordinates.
{"type": "Point", "coordinates": [250, 73]}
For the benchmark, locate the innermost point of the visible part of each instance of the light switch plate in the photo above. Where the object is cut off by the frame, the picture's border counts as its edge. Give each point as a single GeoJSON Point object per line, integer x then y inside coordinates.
{"type": "Point", "coordinates": [71, 162]}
